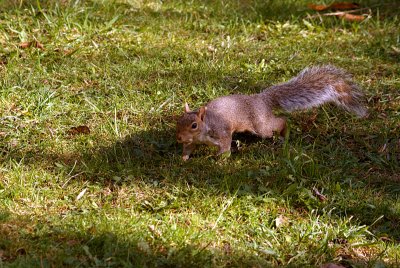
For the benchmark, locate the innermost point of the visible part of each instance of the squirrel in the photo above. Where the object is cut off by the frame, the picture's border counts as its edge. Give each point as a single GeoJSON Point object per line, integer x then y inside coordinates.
{"type": "Point", "coordinates": [214, 123]}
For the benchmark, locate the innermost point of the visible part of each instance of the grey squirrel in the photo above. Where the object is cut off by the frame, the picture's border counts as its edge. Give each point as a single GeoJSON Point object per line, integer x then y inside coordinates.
{"type": "Point", "coordinates": [214, 123]}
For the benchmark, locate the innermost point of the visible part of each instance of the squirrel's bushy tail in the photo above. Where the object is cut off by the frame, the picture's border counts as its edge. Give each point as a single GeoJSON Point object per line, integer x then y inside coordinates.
{"type": "Point", "coordinates": [315, 86]}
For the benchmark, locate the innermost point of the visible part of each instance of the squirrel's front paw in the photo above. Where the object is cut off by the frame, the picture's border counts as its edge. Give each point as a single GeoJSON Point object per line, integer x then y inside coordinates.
{"type": "Point", "coordinates": [185, 157]}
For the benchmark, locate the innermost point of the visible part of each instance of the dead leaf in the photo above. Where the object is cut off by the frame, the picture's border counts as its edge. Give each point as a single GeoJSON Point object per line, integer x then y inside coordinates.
{"type": "Point", "coordinates": [35, 44]}
{"type": "Point", "coordinates": [334, 6]}
{"type": "Point", "coordinates": [79, 130]}
{"type": "Point", "coordinates": [351, 17]}
{"type": "Point", "coordinates": [344, 6]}
{"type": "Point", "coordinates": [318, 7]}
{"type": "Point", "coordinates": [320, 196]}
{"type": "Point", "coordinates": [69, 52]}
{"type": "Point", "coordinates": [25, 44]}
{"type": "Point", "coordinates": [385, 239]}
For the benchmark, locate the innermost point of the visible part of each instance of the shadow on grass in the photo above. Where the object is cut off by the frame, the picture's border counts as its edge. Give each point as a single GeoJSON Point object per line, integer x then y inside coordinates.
{"type": "Point", "coordinates": [25, 243]}
{"type": "Point", "coordinates": [153, 157]}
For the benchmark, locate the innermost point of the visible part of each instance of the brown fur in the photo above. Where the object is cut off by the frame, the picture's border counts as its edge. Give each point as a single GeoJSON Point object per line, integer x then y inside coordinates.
{"type": "Point", "coordinates": [220, 118]}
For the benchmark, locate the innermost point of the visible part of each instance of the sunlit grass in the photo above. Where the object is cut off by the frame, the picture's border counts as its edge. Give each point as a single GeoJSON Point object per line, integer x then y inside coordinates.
{"type": "Point", "coordinates": [121, 196]}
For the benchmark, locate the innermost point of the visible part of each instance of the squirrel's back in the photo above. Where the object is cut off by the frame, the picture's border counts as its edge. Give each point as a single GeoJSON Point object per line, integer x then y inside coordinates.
{"type": "Point", "coordinates": [241, 111]}
{"type": "Point", "coordinates": [315, 86]}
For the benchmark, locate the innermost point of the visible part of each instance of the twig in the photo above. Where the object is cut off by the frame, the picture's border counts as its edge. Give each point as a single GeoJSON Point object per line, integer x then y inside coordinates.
{"type": "Point", "coordinates": [76, 175]}
{"type": "Point", "coordinates": [340, 13]}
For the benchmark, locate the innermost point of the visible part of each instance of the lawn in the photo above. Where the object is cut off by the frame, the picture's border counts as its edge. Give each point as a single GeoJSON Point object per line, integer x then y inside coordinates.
{"type": "Point", "coordinates": [91, 174]}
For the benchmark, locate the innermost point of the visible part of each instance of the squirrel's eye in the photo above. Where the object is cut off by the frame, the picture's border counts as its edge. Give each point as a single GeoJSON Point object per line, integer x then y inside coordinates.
{"type": "Point", "coordinates": [194, 125]}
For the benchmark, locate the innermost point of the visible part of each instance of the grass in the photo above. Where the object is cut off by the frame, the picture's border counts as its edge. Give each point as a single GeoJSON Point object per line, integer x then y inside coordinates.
{"type": "Point", "coordinates": [121, 196]}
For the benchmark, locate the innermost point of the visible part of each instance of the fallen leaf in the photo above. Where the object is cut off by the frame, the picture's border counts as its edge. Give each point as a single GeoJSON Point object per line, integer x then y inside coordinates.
{"type": "Point", "coordinates": [35, 44]}
{"type": "Point", "coordinates": [318, 7]}
{"type": "Point", "coordinates": [351, 17]}
{"type": "Point", "coordinates": [334, 6]}
{"type": "Point", "coordinates": [386, 239]}
{"type": "Point", "coordinates": [79, 130]}
{"type": "Point", "coordinates": [25, 44]}
{"type": "Point", "coordinates": [69, 52]}
{"type": "Point", "coordinates": [320, 196]}
{"type": "Point", "coordinates": [344, 6]}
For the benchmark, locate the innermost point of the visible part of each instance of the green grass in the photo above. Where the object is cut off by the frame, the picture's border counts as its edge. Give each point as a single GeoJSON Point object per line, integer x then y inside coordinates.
{"type": "Point", "coordinates": [121, 196]}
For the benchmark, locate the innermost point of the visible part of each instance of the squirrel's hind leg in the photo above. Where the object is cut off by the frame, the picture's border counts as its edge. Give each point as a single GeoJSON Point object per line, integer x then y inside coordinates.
{"type": "Point", "coordinates": [271, 126]}
{"type": "Point", "coordinates": [281, 126]}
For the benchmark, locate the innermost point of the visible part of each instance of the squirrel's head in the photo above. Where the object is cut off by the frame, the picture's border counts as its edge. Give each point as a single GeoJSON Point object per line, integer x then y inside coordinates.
{"type": "Point", "coordinates": [190, 125]}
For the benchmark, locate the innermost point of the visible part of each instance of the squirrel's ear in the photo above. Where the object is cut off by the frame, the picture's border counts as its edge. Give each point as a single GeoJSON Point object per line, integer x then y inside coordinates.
{"type": "Point", "coordinates": [202, 112]}
{"type": "Point", "coordinates": [187, 109]}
